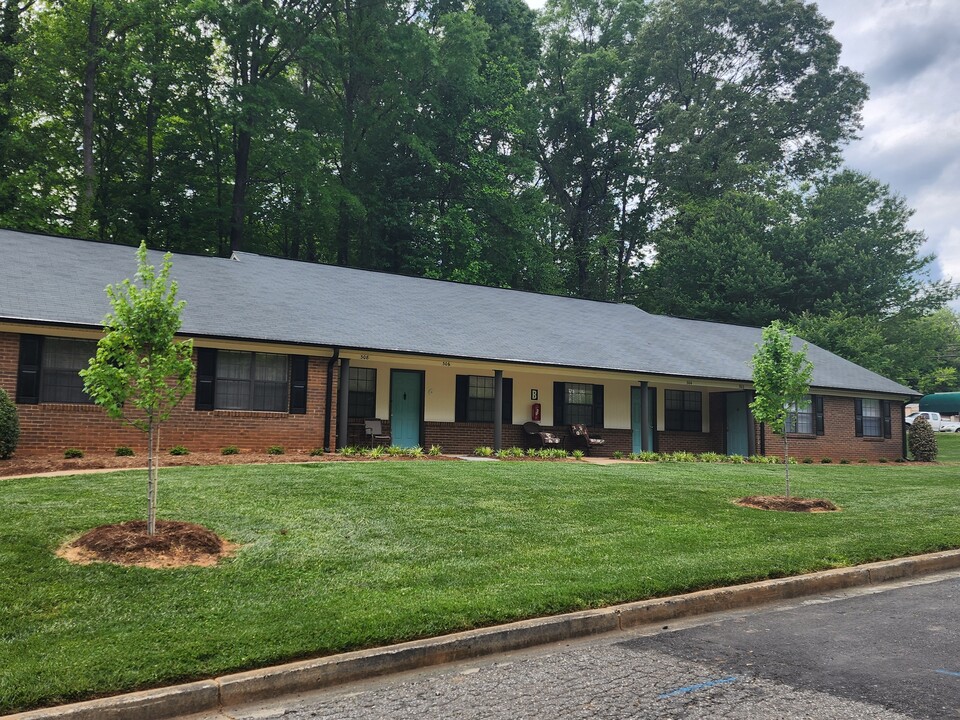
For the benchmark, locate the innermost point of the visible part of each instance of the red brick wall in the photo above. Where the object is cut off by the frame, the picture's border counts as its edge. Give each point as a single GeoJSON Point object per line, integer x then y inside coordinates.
{"type": "Point", "coordinates": [839, 441]}
{"type": "Point", "coordinates": [50, 427]}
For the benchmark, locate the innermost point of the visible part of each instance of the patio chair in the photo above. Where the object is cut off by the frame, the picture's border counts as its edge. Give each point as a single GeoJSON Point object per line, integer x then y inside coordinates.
{"type": "Point", "coordinates": [580, 438]}
{"type": "Point", "coordinates": [373, 430]}
{"type": "Point", "coordinates": [537, 437]}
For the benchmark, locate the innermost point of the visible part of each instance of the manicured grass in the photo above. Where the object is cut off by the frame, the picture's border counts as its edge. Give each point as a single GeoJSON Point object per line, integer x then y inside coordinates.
{"type": "Point", "coordinates": [948, 447]}
{"type": "Point", "coordinates": [346, 555]}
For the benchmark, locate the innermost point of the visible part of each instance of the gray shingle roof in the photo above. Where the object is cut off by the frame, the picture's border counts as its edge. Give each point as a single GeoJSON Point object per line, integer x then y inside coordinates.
{"type": "Point", "coordinates": [61, 280]}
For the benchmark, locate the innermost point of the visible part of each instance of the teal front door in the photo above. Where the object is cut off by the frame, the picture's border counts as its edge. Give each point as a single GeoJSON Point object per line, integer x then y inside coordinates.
{"type": "Point", "coordinates": [406, 407]}
{"type": "Point", "coordinates": [636, 419]}
{"type": "Point", "coordinates": [737, 424]}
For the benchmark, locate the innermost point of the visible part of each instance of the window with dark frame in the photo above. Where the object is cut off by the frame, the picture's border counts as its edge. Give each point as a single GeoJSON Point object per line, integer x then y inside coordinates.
{"type": "Point", "coordinates": [872, 418]}
{"type": "Point", "coordinates": [61, 362]}
{"type": "Point", "coordinates": [480, 397]}
{"type": "Point", "coordinates": [251, 381]}
{"type": "Point", "coordinates": [683, 410]}
{"type": "Point", "coordinates": [800, 417]}
{"type": "Point", "coordinates": [579, 404]}
{"type": "Point", "coordinates": [363, 393]}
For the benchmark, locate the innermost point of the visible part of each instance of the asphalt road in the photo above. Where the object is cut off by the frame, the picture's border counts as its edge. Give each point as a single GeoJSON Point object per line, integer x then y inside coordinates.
{"type": "Point", "coordinates": [887, 653]}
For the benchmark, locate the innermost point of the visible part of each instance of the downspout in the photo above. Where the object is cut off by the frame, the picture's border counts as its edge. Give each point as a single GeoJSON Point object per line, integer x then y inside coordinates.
{"type": "Point", "coordinates": [903, 431]}
{"type": "Point", "coordinates": [329, 399]}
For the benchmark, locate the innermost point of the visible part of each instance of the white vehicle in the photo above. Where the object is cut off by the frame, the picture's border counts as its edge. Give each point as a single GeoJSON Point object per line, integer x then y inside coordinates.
{"type": "Point", "coordinates": [936, 422]}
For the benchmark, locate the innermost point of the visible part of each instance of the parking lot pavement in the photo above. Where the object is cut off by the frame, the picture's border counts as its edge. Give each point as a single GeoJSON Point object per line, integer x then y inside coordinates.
{"type": "Point", "coordinates": [884, 653]}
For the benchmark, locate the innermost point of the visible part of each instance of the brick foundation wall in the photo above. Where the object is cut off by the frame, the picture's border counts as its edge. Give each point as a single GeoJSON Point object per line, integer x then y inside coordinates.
{"type": "Point", "coordinates": [839, 441]}
{"type": "Point", "coordinates": [53, 427]}
{"type": "Point", "coordinates": [668, 442]}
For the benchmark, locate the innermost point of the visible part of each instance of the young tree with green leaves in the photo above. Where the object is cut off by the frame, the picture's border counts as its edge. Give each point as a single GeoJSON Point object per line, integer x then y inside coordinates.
{"type": "Point", "coordinates": [781, 380]}
{"type": "Point", "coordinates": [140, 373]}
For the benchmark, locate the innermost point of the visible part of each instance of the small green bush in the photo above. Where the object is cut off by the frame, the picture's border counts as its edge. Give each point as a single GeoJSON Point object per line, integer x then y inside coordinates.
{"type": "Point", "coordinates": [712, 457]}
{"type": "Point", "coordinates": [396, 451]}
{"type": "Point", "coordinates": [275, 450]}
{"type": "Point", "coordinates": [416, 451]}
{"type": "Point", "coordinates": [350, 451]}
{"type": "Point", "coordinates": [230, 450]}
{"type": "Point", "coordinates": [923, 441]}
{"type": "Point", "coordinates": [617, 455]}
{"type": "Point", "coordinates": [179, 450]}
{"type": "Point", "coordinates": [844, 461]}
{"type": "Point", "coordinates": [900, 459]}
{"type": "Point", "coordinates": [436, 450]}
{"type": "Point", "coordinates": [316, 452]}
{"type": "Point", "coordinates": [124, 451]}
{"type": "Point", "coordinates": [483, 451]}
{"type": "Point", "coordinates": [862, 461]}
{"type": "Point", "coordinates": [807, 461]}
{"type": "Point", "coordinates": [648, 456]}
{"type": "Point", "coordinates": [825, 461]}
{"type": "Point", "coordinates": [884, 460]}
{"type": "Point", "coordinates": [737, 459]}
{"type": "Point", "coordinates": [71, 453]}
{"type": "Point", "coordinates": [577, 454]}
{"type": "Point", "coordinates": [9, 426]}
{"type": "Point", "coordinates": [376, 452]}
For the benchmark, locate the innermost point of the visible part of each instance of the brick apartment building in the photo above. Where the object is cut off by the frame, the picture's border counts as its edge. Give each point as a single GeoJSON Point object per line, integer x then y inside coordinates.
{"type": "Point", "coordinates": [433, 360]}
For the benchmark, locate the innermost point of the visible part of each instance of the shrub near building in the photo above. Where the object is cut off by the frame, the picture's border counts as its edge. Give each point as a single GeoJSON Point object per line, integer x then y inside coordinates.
{"type": "Point", "coordinates": [923, 441]}
{"type": "Point", "coordinates": [9, 426]}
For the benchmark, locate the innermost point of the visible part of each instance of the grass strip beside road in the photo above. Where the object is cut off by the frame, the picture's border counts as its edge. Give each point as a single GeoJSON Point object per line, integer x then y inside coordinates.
{"type": "Point", "coordinates": [339, 556]}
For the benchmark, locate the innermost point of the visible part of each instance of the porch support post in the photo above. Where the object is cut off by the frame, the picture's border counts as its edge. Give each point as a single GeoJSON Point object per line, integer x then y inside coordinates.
{"type": "Point", "coordinates": [343, 402]}
{"type": "Point", "coordinates": [646, 441]}
{"type": "Point", "coordinates": [751, 426]}
{"type": "Point", "coordinates": [497, 410]}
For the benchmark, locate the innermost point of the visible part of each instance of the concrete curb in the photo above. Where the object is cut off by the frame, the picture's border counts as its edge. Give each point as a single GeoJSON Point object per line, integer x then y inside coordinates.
{"type": "Point", "coordinates": [209, 696]}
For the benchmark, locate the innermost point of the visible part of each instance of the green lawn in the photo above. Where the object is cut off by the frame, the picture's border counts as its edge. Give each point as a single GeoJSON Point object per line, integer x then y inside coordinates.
{"type": "Point", "coordinates": [346, 555]}
{"type": "Point", "coordinates": [948, 447]}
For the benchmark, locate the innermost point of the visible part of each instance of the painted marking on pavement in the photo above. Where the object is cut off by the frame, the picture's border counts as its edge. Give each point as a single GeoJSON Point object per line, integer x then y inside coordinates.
{"type": "Point", "coordinates": [948, 672]}
{"type": "Point", "coordinates": [698, 686]}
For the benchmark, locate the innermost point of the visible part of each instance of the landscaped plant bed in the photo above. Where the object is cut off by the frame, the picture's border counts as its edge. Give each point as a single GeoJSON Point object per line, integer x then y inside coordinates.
{"type": "Point", "coordinates": [785, 504]}
{"type": "Point", "coordinates": [37, 464]}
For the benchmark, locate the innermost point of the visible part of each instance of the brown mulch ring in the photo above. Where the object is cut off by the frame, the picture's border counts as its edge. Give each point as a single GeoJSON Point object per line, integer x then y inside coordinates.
{"type": "Point", "coordinates": [785, 504]}
{"type": "Point", "coordinates": [174, 544]}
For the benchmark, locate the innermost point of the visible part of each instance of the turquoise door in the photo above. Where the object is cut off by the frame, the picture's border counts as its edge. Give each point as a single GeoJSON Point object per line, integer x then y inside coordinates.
{"type": "Point", "coordinates": [737, 424]}
{"type": "Point", "coordinates": [636, 418]}
{"type": "Point", "coordinates": [406, 407]}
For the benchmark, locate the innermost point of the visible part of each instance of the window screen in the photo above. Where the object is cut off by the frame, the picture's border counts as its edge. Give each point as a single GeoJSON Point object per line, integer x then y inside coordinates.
{"type": "Point", "coordinates": [61, 363]}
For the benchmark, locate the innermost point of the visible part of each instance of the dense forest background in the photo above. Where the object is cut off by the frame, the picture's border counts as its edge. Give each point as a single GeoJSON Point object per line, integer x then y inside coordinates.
{"type": "Point", "coordinates": [682, 155]}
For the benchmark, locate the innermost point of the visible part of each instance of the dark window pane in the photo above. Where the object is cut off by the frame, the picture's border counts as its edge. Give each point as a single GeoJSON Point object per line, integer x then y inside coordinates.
{"type": "Point", "coordinates": [579, 410]}
{"type": "Point", "coordinates": [251, 381]}
{"type": "Point", "coordinates": [480, 398]}
{"type": "Point", "coordinates": [61, 363]}
{"type": "Point", "coordinates": [363, 393]}
{"type": "Point", "coordinates": [872, 421]}
{"type": "Point", "coordinates": [683, 410]}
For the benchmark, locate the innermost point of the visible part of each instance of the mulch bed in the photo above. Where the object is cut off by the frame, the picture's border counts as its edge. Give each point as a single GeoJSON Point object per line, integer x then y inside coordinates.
{"type": "Point", "coordinates": [785, 504]}
{"type": "Point", "coordinates": [174, 544]}
{"type": "Point", "coordinates": [36, 464]}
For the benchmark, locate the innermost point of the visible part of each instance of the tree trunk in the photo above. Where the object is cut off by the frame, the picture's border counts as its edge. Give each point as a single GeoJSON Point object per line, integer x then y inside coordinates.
{"type": "Point", "coordinates": [151, 481]}
{"type": "Point", "coordinates": [786, 462]}
{"type": "Point", "coordinates": [240, 179]}
{"type": "Point", "coordinates": [89, 184]}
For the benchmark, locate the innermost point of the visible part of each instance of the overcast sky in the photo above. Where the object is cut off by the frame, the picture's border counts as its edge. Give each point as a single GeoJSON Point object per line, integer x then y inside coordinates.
{"type": "Point", "coordinates": [909, 53]}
